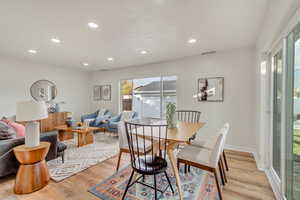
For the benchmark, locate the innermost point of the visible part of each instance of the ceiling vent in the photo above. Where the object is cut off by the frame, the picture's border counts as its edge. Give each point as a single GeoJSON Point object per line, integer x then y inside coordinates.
{"type": "Point", "coordinates": [208, 53]}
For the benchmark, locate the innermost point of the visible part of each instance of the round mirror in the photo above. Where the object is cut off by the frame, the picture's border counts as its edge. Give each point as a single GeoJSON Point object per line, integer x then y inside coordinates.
{"type": "Point", "coordinates": [43, 90]}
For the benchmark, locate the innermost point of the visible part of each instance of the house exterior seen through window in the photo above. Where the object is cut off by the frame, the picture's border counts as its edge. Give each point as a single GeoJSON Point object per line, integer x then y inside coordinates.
{"type": "Point", "coordinates": [148, 96]}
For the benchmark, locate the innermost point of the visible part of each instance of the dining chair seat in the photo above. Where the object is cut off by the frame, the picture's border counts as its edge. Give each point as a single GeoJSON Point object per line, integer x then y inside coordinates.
{"type": "Point", "coordinates": [148, 166]}
{"type": "Point", "coordinates": [195, 154]}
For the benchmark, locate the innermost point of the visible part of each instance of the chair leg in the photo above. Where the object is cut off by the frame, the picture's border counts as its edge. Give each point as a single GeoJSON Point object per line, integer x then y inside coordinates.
{"type": "Point", "coordinates": [185, 168]}
{"type": "Point", "coordinates": [223, 170]}
{"type": "Point", "coordinates": [218, 184]}
{"type": "Point", "coordinates": [178, 165]}
{"type": "Point", "coordinates": [63, 157]}
{"type": "Point", "coordinates": [189, 168]}
{"type": "Point", "coordinates": [128, 184]}
{"type": "Point", "coordinates": [225, 160]}
{"type": "Point", "coordinates": [169, 181]}
{"type": "Point", "coordinates": [155, 189]}
{"type": "Point", "coordinates": [221, 173]}
{"type": "Point", "coordinates": [119, 159]}
{"type": "Point", "coordinates": [143, 178]}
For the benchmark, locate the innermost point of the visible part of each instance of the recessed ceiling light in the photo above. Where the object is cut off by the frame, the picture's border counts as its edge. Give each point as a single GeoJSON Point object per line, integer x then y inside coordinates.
{"type": "Point", "coordinates": [93, 25]}
{"type": "Point", "coordinates": [192, 40]}
{"type": "Point", "coordinates": [85, 64]}
{"type": "Point", "coordinates": [55, 40]}
{"type": "Point", "coordinates": [32, 51]}
{"type": "Point", "coordinates": [110, 59]}
{"type": "Point", "coordinates": [143, 52]}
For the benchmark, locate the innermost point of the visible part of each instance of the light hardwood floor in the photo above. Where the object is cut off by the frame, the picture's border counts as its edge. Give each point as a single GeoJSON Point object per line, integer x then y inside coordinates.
{"type": "Point", "coordinates": [245, 182]}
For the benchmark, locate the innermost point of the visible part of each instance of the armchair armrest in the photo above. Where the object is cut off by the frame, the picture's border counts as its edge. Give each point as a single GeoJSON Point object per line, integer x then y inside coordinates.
{"type": "Point", "coordinates": [89, 116]}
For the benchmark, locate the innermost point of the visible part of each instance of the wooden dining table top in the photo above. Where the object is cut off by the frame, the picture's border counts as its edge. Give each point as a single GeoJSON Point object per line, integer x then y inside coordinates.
{"type": "Point", "coordinates": [184, 131]}
{"type": "Point", "coordinates": [181, 133]}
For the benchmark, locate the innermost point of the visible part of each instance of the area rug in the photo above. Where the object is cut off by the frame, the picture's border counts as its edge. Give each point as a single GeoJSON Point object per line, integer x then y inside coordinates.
{"type": "Point", "coordinates": [78, 159]}
{"type": "Point", "coordinates": [196, 185]}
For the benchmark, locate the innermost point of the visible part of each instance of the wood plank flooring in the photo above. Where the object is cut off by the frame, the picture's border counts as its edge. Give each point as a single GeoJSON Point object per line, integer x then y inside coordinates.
{"type": "Point", "coordinates": [245, 182]}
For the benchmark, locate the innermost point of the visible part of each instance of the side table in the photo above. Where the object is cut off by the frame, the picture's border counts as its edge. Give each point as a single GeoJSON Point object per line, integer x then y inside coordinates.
{"type": "Point", "coordinates": [33, 172]}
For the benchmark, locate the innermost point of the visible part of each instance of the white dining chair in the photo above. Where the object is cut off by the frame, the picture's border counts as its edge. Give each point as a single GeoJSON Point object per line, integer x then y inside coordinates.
{"type": "Point", "coordinates": [204, 158]}
{"type": "Point", "coordinates": [123, 142]}
{"type": "Point", "coordinates": [208, 142]}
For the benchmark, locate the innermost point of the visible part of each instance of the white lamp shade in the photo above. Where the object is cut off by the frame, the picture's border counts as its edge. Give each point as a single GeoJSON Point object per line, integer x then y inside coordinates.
{"type": "Point", "coordinates": [31, 111]}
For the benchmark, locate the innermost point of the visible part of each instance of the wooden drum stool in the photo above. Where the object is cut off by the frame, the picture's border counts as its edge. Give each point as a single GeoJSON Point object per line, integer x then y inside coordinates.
{"type": "Point", "coordinates": [33, 172]}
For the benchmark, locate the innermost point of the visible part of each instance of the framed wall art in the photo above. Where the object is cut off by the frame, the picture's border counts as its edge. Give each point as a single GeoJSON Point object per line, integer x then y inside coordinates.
{"type": "Point", "coordinates": [97, 93]}
{"type": "Point", "coordinates": [211, 89]}
{"type": "Point", "coordinates": [106, 92]}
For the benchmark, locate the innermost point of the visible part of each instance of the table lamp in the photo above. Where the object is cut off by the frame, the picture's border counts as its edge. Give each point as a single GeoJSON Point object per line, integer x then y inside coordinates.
{"type": "Point", "coordinates": [30, 112]}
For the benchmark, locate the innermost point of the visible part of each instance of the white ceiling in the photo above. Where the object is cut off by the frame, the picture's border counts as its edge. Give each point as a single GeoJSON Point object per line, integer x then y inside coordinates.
{"type": "Point", "coordinates": [161, 27]}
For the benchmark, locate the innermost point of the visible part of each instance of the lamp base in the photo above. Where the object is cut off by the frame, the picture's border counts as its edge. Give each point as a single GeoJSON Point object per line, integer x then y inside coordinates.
{"type": "Point", "coordinates": [32, 135]}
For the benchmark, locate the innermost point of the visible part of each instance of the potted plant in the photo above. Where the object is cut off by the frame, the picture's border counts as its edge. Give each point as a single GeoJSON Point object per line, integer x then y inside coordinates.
{"type": "Point", "coordinates": [170, 115]}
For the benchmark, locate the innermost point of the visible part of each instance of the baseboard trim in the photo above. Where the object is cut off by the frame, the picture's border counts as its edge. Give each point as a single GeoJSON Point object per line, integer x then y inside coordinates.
{"type": "Point", "coordinates": [272, 180]}
{"type": "Point", "coordinates": [259, 164]}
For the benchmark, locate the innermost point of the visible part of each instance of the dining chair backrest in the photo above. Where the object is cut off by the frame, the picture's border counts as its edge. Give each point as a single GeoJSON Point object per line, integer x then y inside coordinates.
{"type": "Point", "coordinates": [188, 115]}
{"type": "Point", "coordinates": [139, 153]}
{"type": "Point", "coordinates": [122, 135]}
{"type": "Point", "coordinates": [219, 146]}
{"type": "Point", "coordinates": [225, 131]}
{"type": "Point", "coordinates": [216, 152]}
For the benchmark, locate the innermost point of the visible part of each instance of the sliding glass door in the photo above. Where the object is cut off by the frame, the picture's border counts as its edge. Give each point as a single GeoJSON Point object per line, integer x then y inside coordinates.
{"type": "Point", "coordinates": [277, 114]}
{"type": "Point", "coordinates": [293, 116]}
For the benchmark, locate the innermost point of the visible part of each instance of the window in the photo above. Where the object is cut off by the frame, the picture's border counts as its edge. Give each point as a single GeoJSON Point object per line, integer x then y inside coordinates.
{"type": "Point", "coordinates": [148, 96]}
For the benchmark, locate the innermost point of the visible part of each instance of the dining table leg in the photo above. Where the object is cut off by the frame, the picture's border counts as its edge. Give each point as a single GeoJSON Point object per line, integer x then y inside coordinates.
{"type": "Point", "coordinates": [170, 150]}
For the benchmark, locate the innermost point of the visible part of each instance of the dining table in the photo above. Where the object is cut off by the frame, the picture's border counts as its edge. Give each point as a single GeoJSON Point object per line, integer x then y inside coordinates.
{"type": "Point", "coordinates": [181, 134]}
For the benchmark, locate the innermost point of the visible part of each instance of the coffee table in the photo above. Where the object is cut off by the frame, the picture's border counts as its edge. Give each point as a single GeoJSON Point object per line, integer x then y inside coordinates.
{"type": "Point", "coordinates": [85, 134]}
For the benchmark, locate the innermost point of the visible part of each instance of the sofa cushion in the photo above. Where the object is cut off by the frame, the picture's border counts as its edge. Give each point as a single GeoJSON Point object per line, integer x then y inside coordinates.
{"type": "Point", "coordinates": [113, 125]}
{"type": "Point", "coordinates": [6, 131]}
{"type": "Point", "coordinates": [101, 112]}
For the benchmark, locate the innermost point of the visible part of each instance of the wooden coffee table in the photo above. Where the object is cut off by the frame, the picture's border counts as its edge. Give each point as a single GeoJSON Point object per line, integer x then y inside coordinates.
{"type": "Point", "coordinates": [85, 135]}
{"type": "Point", "coordinates": [33, 172]}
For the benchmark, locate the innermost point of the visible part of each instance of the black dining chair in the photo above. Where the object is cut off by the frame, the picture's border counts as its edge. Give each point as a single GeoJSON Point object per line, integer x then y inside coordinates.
{"type": "Point", "coordinates": [143, 161]}
{"type": "Point", "coordinates": [192, 116]}
{"type": "Point", "coordinates": [188, 116]}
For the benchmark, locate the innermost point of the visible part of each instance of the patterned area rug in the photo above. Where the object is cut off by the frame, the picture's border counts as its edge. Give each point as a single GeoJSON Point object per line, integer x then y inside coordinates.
{"type": "Point", "coordinates": [196, 185]}
{"type": "Point", "coordinates": [78, 159]}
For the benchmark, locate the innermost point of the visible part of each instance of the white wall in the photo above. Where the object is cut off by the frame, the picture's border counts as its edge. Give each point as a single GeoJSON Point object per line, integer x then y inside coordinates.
{"type": "Point", "coordinates": [16, 77]}
{"type": "Point", "coordinates": [237, 109]}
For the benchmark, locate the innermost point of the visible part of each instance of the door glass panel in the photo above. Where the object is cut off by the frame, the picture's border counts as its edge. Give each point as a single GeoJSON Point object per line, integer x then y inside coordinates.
{"type": "Point", "coordinates": [126, 95]}
{"type": "Point", "coordinates": [146, 97]}
{"type": "Point", "coordinates": [277, 66]}
{"type": "Point", "coordinates": [293, 116]}
{"type": "Point", "coordinates": [296, 138]}
{"type": "Point", "coordinates": [168, 92]}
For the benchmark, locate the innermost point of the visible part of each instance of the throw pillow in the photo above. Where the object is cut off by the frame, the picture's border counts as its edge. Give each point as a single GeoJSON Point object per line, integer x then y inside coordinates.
{"type": "Point", "coordinates": [19, 128]}
{"type": "Point", "coordinates": [101, 112]}
{"type": "Point", "coordinates": [127, 115]}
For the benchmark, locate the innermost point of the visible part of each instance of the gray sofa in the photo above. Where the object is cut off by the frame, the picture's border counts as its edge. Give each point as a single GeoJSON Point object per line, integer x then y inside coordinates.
{"type": "Point", "coordinates": [8, 162]}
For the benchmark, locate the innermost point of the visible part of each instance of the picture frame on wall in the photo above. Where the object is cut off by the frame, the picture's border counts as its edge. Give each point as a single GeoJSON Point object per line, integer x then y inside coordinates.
{"type": "Point", "coordinates": [106, 92]}
{"type": "Point", "coordinates": [211, 89]}
{"type": "Point", "coordinates": [97, 93]}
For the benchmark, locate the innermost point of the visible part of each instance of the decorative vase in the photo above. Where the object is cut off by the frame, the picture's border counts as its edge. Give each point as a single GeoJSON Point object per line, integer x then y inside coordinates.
{"type": "Point", "coordinates": [170, 115]}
